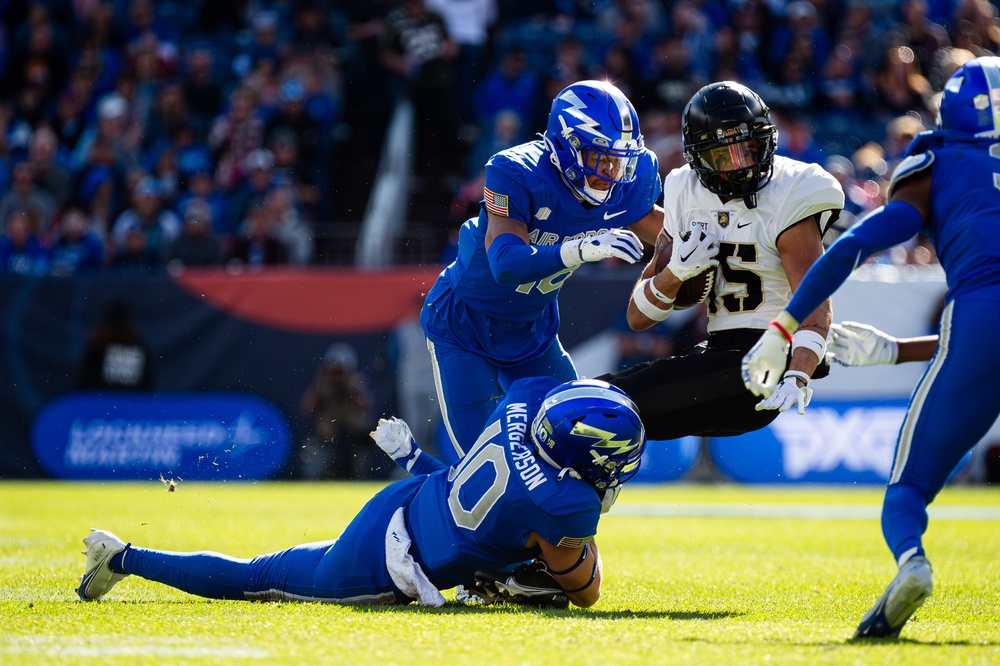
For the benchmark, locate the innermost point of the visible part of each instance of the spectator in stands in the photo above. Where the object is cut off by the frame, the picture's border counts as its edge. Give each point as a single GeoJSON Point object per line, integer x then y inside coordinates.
{"type": "Point", "coordinates": [116, 355]}
{"type": "Point", "coordinates": [159, 225]}
{"type": "Point", "coordinates": [26, 195]}
{"type": "Point", "coordinates": [108, 142]}
{"type": "Point", "coordinates": [468, 23]}
{"type": "Point", "coordinates": [899, 83]}
{"type": "Point", "coordinates": [50, 175]}
{"type": "Point", "coordinates": [287, 225]}
{"type": "Point", "coordinates": [255, 245]}
{"type": "Point", "coordinates": [196, 245]}
{"type": "Point", "coordinates": [339, 406]}
{"type": "Point", "coordinates": [201, 92]}
{"type": "Point", "coordinates": [510, 87]}
{"type": "Point", "coordinates": [99, 187]}
{"type": "Point", "coordinates": [235, 135]}
{"type": "Point", "coordinates": [920, 33]}
{"type": "Point", "coordinates": [291, 171]}
{"type": "Point", "coordinates": [198, 183]}
{"type": "Point", "coordinates": [134, 257]}
{"type": "Point", "coordinates": [259, 180]}
{"type": "Point", "coordinates": [21, 249]}
{"type": "Point", "coordinates": [419, 51]}
{"type": "Point", "coordinates": [77, 249]}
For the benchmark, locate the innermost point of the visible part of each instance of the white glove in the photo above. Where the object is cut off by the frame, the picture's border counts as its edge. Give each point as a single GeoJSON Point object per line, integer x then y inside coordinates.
{"type": "Point", "coordinates": [763, 364]}
{"type": "Point", "coordinates": [787, 394]}
{"type": "Point", "coordinates": [619, 243]}
{"type": "Point", "coordinates": [608, 497]}
{"type": "Point", "coordinates": [693, 254]}
{"type": "Point", "coordinates": [855, 344]}
{"type": "Point", "coordinates": [394, 437]}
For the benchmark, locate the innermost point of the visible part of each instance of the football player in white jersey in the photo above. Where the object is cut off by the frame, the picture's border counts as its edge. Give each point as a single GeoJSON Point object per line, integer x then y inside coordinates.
{"type": "Point", "coordinates": [759, 220]}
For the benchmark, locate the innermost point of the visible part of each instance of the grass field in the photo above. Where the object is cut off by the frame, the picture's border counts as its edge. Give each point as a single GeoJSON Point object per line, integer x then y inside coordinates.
{"type": "Point", "coordinates": [693, 575]}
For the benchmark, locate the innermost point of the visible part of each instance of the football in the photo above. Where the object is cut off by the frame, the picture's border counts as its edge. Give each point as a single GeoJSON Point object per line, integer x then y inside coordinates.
{"type": "Point", "coordinates": [693, 291]}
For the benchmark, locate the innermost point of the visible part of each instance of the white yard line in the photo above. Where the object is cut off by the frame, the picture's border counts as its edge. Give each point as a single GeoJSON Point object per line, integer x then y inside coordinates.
{"type": "Point", "coordinates": [803, 511]}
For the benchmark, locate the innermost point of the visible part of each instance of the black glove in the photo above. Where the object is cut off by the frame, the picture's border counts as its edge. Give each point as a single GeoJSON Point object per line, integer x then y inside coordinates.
{"type": "Point", "coordinates": [529, 584]}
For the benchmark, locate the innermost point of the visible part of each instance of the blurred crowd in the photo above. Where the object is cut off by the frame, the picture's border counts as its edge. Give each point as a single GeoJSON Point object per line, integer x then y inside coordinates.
{"type": "Point", "coordinates": [136, 135]}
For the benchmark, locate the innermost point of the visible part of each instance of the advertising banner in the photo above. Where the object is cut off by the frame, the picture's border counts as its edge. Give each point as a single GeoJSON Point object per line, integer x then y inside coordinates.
{"type": "Point", "coordinates": [850, 441]}
{"type": "Point", "coordinates": [204, 436]}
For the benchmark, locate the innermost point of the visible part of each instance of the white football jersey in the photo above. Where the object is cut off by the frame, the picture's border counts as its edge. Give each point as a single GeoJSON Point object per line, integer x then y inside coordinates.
{"type": "Point", "coordinates": [750, 283]}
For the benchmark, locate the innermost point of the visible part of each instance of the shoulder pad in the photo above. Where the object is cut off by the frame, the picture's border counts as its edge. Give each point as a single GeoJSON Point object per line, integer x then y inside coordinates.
{"type": "Point", "coordinates": [909, 166]}
{"type": "Point", "coordinates": [921, 142]}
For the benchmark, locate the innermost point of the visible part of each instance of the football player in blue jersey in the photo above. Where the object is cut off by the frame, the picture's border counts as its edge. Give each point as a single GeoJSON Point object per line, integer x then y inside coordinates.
{"type": "Point", "coordinates": [574, 196]}
{"type": "Point", "coordinates": [531, 486]}
{"type": "Point", "coordinates": [946, 186]}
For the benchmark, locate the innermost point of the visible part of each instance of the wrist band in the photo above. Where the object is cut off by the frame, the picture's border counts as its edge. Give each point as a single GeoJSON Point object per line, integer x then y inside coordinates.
{"type": "Point", "coordinates": [646, 306]}
{"type": "Point", "coordinates": [781, 329]}
{"type": "Point", "coordinates": [661, 297]}
{"type": "Point", "coordinates": [593, 575]}
{"type": "Point", "coordinates": [797, 375]}
{"type": "Point", "coordinates": [811, 340]}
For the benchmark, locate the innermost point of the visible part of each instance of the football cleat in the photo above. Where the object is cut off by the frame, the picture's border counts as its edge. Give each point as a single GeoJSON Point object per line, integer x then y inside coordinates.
{"type": "Point", "coordinates": [904, 595]}
{"type": "Point", "coordinates": [97, 578]}
{"type": "Point", "coordinates": [530, 584]}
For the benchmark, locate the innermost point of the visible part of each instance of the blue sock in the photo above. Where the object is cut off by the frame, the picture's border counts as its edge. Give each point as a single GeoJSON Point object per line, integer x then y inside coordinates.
{"type": "Point", "coordinates": [904, 519]}
{"type": "Point", "coordinates": [204, 574]}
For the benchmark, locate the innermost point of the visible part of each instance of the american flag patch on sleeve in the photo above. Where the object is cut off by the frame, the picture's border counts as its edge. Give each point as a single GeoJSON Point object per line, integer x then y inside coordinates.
{"type": "Point", "coordinates": [495, 203]}
{"type": "Point", "coordinates": [574, 542]}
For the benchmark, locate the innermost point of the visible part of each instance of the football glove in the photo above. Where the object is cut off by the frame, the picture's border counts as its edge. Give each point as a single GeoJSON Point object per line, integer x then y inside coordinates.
{"type": "Point", "coordinates": [530, 584]}
{"type": "Point", "coordinates": [619, 243]}
{"type": "Point", "coordinates": [855, 344]}
{"type": "Point", "coordinates": [787, 394]}
{"type": "Point", "coordinates": [693, 254]}
{"type": "Point", "coordinates": [764, 363]}
{"type": "Point", "coordinates": [394, 437]}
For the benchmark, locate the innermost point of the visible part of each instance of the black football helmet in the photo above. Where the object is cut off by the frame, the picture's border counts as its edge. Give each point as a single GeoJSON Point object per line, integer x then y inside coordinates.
{"type": "Point", "coordinates": [729, 140]}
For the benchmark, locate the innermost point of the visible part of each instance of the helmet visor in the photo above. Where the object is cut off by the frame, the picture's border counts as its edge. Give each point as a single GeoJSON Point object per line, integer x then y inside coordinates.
{"type": "Point", "coordinates": [731, 157]}
{"type": "Point", "coordinates": [610, 165]}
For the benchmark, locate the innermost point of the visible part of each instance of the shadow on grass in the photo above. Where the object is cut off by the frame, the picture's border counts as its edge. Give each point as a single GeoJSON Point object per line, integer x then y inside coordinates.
{"type": "Point", "coordinates": [454, 608]}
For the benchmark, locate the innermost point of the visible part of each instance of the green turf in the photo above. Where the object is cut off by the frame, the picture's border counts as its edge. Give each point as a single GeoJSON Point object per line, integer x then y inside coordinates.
{"type": "Point", "coordinates": [693, 575]}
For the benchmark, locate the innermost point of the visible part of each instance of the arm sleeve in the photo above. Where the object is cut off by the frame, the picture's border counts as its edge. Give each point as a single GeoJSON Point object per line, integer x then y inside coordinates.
{"type": "Point", "coordinates": [884, 227]}
{"type": "Point", "coordinates": [513, 261]}
{"type": "Point", "coordinates": [421, 463]}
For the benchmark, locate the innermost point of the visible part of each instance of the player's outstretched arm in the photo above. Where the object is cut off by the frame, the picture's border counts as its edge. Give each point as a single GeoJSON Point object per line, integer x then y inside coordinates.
{"type": "Point", "coordinates": [393, 436]}
{"type": "Point", "coordinates": [576, 570]}
{"type": "Point", "coordinates": [858, 345]}
{"type": "Point", "coordinates": [514, 260]}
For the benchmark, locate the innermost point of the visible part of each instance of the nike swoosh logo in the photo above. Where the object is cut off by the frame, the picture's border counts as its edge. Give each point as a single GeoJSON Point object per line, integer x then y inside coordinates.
{"type": "Point", "coordinates": [608, 216]}
{"type": "Point", "coordinates": [688, 255]}
{"type": "Point", "coordinates": [741, 225]}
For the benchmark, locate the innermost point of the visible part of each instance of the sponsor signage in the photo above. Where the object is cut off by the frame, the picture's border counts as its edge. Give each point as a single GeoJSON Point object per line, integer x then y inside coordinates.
{"type": "Point", "coordinates": [833, 442]}
{"type": "Point", "coordinates": [204, 436]}
{"type": "Point", "coordinates": [667, 459]}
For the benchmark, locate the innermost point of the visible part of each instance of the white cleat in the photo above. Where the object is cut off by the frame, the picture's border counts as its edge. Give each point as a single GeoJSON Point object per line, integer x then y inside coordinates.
{"type": "Point", "coordinates": [904, 595]}
{"type": "Point", "coordinates": [97, 578]}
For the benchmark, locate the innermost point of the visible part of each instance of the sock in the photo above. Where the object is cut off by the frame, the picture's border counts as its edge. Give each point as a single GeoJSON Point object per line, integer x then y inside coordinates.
{"type": "Point", "coordinates": [205, 574]}
{"type": "Point", "coordinates": [904, 520]}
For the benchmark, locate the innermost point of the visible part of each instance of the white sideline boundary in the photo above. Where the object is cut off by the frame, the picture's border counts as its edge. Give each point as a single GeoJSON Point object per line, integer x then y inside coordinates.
{"type": "Point", "coordinates": [124, 646]}
{"type": "Point", "coordinates": [799, 511]}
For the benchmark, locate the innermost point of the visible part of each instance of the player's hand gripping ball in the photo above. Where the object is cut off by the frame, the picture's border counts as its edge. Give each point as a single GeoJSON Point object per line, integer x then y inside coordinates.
{"type": "Point", "coordinates": [694, 290]}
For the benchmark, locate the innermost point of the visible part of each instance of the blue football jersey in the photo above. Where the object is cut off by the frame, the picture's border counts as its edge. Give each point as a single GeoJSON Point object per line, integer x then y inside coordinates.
{"type": "Point", "coordinates": [522, 184]}
{"type": "Point", "coordinates": [479, 514]}
{"type": "Point", "coordinates": [965, 204]}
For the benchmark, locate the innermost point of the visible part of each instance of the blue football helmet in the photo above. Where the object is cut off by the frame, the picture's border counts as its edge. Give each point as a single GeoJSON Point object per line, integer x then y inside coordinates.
{"type": "Point", "coordinates": [970, 101]}
{"type": "Point", "coordinates": [592, 430]}
{"type": "Point", "coordinates": [593, 130]}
